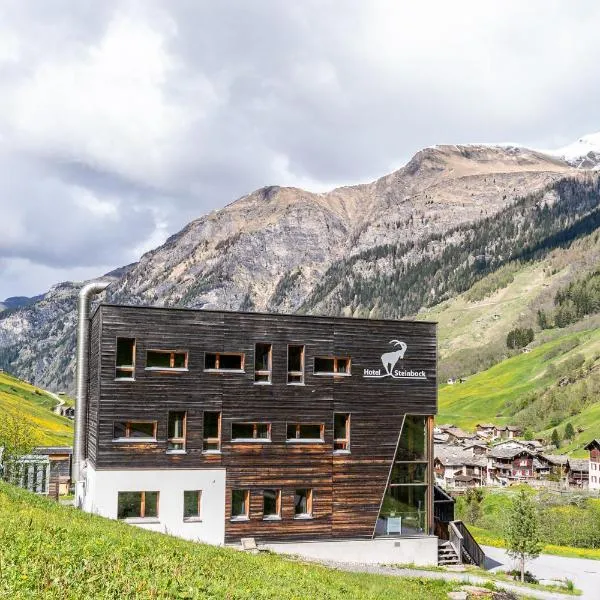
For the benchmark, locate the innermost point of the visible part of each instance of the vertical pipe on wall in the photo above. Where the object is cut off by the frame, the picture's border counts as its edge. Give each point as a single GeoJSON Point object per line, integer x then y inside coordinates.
{"type": "Point", "coordinates": [83, 345]}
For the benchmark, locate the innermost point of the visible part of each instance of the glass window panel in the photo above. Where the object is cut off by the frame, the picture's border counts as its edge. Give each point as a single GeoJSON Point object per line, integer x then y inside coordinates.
{"type": "Point", "coordinates": [409, 473]}
{"type": "Point", "coordinates": [340, 422]}
{"type": "Point", "coordinates": [294, 378]}
{"type": "Point", "coordinates": [312, 432]}
{"type": "Point", "coordinates": [129, 505]}
{"type": "Point", "coordinates": [119, 430]}
{"type": "Point", "coordinates": [324, 365]}
{"type": "Point", "coordinates": [295, 358]}
{"type": "Point", "coordinates": [125, 348]}
{"type": "Point", "coordinates": [343, 365]}
{"type": "Point", "coordinates": [242, 430]}
{"type": "Point", "coordinates": [291, 431]}
{"type": "Point", "coordinates": [176, 420]}
{"type": "Point", "coordinates": [158, 359]}
{"type": "Point", "coordinates": [262, 431]}
{"type": "Point", "coordinates": [179, 360]}
{"type": "Point", "coordinates": [210, 361]}
{"type": "Point", "coordinates": [262, 357]}
{"type": "Point", "coordinates": [151, 504]}
{"type": "Point", "coordinates": [301, 502]}
{"type": "Point", "coordinates": [413, 441]}
{"type": "Point", "coordinates": [191, 504]}
{"type": "Point", "coordinates": [230, 362]}
{"type": "Point", "coordinates": [239, 499]}
{"type": "Point", "coordinates": [404, 510]}
{"type": "Point", "coordinates": [211, 445]}
{"type": "Point", "coordinates": [211, 424]}
{"type": "Point", "coordinates": [141, 430]}
{"type": "Point", "coordinates": [270, 503]}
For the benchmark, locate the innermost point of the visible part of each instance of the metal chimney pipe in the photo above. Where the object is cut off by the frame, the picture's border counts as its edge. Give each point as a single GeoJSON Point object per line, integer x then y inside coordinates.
{"type": "Point", "coordinates": [83, 347]}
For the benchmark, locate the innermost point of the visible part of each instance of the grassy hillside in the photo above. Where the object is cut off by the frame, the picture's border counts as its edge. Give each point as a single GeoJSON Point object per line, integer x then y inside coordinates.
{"type": "Point", "coordinates": [51, 551]}
{"type": "Point", "coordinates": [35, 407]}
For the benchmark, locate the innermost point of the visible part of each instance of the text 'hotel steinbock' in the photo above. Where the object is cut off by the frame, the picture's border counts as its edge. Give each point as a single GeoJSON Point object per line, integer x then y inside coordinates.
{"type": "Point", "coordinates": [219, 425]}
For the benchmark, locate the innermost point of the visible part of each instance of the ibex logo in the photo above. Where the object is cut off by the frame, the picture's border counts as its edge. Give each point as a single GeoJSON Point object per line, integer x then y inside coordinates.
{"type": "Point", "coordinates": [389, 360]}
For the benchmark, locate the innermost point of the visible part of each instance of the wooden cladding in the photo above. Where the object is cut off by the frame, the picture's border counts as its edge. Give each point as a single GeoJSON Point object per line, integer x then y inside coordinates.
{"type": "Point", "coordinates": [347, 471]}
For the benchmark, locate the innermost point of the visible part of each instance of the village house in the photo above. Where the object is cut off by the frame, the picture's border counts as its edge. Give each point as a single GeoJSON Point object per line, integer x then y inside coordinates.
{"type": "Point", "coordinates": [510, 461]}
{"type": "Point", "coordinates": [485, 430]}
{"type": "Point", "coordinates": [458, 467]}
{"type": "Point", "coordinates": [594, 464]}
{"type": "Point", "coordinates": [578, 470]}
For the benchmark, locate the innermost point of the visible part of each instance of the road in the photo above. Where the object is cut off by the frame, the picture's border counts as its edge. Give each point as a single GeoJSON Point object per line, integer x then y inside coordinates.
{"type": "Point", "coordinates": [584, 573]}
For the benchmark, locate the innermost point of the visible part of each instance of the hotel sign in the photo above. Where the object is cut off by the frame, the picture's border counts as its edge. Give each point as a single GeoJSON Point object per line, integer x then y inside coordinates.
{"type": "Point", "coordinates": [390, 360]}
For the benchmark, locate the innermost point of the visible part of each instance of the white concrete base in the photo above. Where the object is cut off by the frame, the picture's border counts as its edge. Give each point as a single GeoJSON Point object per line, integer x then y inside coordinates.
{"type": "Point", "coordinates": [100, 495]}
{"type": "Point", "coordinates": [422, 551]}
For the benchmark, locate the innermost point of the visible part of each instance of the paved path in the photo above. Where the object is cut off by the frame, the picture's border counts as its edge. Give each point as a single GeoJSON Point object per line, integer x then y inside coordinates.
{"type": "Point", "coordinates": [449, 576]}
{"type": "Point", "coordinates": [60, 401]}
{"type": "Point", "coordinates": [584, 573]}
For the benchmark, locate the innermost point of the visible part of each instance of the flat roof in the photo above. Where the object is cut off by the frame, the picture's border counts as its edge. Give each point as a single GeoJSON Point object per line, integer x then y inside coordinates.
{"type": "Point", "coordinates": [264, 314]}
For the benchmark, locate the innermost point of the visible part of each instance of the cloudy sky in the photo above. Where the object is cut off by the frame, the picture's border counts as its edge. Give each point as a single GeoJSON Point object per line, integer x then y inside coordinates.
{"type": "Point", "coordinates": [120, 121]}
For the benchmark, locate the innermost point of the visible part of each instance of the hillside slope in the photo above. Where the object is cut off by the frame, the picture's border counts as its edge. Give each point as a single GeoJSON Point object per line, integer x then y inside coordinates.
{"type": "Point", "coordinates": [51, 551]}
{"type": "Point", "coordinates": [34, 407]}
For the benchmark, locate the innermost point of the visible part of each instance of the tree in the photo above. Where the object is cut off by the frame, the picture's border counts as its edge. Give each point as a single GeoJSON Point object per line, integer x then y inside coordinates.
{"type": "Point", "coordinates": [17, 438]}
{"type": "Point", "coordinates": [473, 499]}
{"type": "Point", "coordinates": [569, 432]}
{"type": "Point", "coordinates": [528, 435]}
{"type": "Point", "coordinates": [555, 438]}
{"type": "Point", "coordinates": [522, 530]}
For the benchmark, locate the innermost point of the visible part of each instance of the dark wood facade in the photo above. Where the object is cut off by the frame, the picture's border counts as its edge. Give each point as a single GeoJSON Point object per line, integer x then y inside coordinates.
{"type": "Point", "coordinates": [347, 488]}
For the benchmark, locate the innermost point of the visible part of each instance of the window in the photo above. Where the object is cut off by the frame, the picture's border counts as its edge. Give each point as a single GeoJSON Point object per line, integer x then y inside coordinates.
{"type": "Point", "coordinates": [307, 432]}
{"type": "Point", "coordinates": [125, 360]}
{"type": "Point", "coordinates": [303, 503]}
{"type": "Point", "coordinates": [251, 431]}
{"type": "Point", "coordinates": [262, 363]}
{"type": "Point", "coordinates": [217, 361]}
{"type": "Point", "coordinates": [240, 504]}
{"type": "Point", "coordinates": [165, 360]}
{"type": "Point", "coordinates": [137, 505]}
{"type": "Point", "coordinates": [325, 365]}
{"type": "Point", "coordinates": [295, 364]}
{"type": "Point", "coordinates": [271, 504]}
{"type": "Point", "coordinates": [341, 432]}
{"type": "Point", "coordinates": [134, 430]}
{"type": "Point", "coordinates": [212, 432]}
{"type": "Point", "coordinates": [191, 505]}
{"type": "Point", "coordinates": [176, 431]}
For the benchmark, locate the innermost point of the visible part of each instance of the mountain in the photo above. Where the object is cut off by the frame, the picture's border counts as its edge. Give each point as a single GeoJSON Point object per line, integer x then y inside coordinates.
{"type": "Point", "coordinates": [583, 154]}
{"type": "Point", "coordinates": [386, 248]}
{"type": "Point", "coordinates": [18, 302]}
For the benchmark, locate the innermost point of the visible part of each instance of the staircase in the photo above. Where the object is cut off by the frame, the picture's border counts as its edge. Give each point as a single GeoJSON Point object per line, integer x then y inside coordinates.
{"type": "Point", "coordinates": [447, 554]}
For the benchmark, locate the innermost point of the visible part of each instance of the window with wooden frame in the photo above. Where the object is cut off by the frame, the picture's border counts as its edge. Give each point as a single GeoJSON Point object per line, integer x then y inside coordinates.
{"type": "Point", "coordinates": [305, 432]}
{"type": "Point", "coordinates": [137, 505]}
{"type": "Point", "coordinates": [341, 432]}
{"type": "Point", "coordinates": [332, 365]}
{"type": "Point", "coordinates": [224, 361]}
{"type": "Point", "coordinates": [166, 360]}
{"type": "Point", "coordinates": [240, 505]}
{"type": "Point", "coordinates": [192, 500]}
{"type": "Point", "coordinates": [263, 363]}
{"type": "Point", "coordinates": [134, 431]}
{"type": "Point", "coordinates": [176, 431]}
{"type": "Point", "coordinates": [303, 504]}
{"type": "Point", "coordinates": [271, 505]}
{"type": "Point", "coordinates": [212, 432]}
{"type": "Point", "coordinates": [295, 370]}
{"type": "Point", "coordinates": [251, 432]}
{"type": "Point", "coordinates": [125, 358]}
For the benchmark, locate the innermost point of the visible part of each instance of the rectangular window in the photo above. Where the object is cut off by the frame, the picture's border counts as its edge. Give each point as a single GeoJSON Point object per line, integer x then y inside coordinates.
{"type": "Point", "coordinates": [134, 430]}
{"type": "Point", "coordinates": [271, 504]}
{"type": "Point", "coordinates": [341, 432]}
{"type": "Point", "coordinates": [218, 361]}
{"type": "Point", "coordinates": [176, 431]}
{"type": "Point", "coordinates": [166, 360]}
{"type": "Point", "coordinates": [191, 504]}
{"type": "Point", "coordinates": [295, 364]}
{"type": "Point", "coordinates": [262, 363]}
{"type": "Point", "coordinates": [303, 503]}
{"type": "Point", "coordinates": [137, 505]}
{"type": "Point", "coordinates": [313, 432]}
{"type": "Point", "coordinates": [125, 359]}
{"type": "Point", "coordinates": [250, 431]}
{"type": "Point", "coordinates": [240, 504]}
{"type": "Point", "coordinates": [332, 365]}
{"type": "Point", "coordinates": [212, 432]}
